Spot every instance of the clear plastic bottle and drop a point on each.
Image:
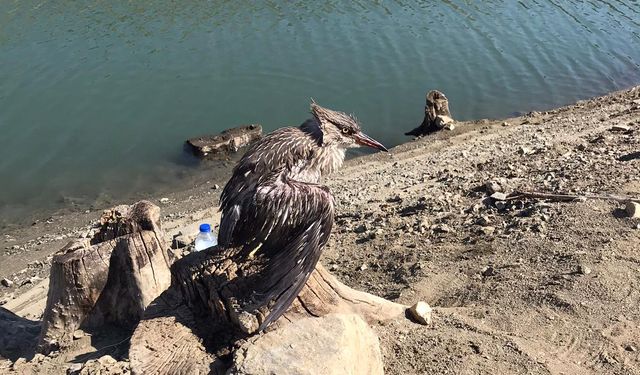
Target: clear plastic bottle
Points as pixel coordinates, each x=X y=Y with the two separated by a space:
x=205 y=238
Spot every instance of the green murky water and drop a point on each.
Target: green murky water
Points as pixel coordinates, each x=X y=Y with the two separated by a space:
x=96 y=97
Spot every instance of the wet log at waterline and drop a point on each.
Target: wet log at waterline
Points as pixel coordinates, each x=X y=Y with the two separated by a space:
x=436 y=114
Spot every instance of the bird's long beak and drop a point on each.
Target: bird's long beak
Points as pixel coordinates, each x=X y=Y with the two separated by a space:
x=365 y=140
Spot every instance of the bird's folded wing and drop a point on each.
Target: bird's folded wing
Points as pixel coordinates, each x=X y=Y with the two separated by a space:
x=285 y=227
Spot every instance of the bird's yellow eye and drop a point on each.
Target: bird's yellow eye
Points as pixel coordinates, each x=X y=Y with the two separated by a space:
x=345 y=130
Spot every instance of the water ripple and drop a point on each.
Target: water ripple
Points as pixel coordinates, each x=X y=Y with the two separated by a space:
x=96 y=97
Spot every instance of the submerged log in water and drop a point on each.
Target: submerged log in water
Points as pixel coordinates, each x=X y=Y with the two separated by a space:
x=228 y=141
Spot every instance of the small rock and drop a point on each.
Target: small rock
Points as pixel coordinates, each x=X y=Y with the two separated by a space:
x=484 y=221
x=488 y=271
x=584 y=270
x=443 y=228
x=620 y=128
x=164 y=200
x=488 y=230
x=499 y=196
x=525 y=151
x=78 y=334
x=215 y=187
x=492 y=187
x=360 y=228
x=630 y=348
x=632 y=209
x=364 y=267
x=7 y=283
x=421 y=312
x=442 y=121
x=501 y=205
x=74 y=368
x=107 y=360
x=182 y=240
x=19 y=363
x=7 y=299
x=505 y=123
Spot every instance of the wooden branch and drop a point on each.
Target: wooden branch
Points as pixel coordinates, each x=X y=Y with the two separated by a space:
x=569 y=197
x=324 y=294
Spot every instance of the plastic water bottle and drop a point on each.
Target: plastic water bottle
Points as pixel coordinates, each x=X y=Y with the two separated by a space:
x=205 y=238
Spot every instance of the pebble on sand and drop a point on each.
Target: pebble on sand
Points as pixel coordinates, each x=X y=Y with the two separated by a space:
x=633 y=209
x=499 y=196
x=620 y=128
x=421 y=312
x=584 y=270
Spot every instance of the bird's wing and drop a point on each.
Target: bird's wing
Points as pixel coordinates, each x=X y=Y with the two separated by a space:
x=283 y=227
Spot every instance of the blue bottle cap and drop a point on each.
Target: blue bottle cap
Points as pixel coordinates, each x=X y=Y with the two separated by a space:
x=205 y=228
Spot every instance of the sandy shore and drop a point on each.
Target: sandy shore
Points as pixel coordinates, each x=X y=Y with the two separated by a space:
x=529 y=286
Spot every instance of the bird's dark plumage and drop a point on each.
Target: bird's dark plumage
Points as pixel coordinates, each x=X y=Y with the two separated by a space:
x=275 y=211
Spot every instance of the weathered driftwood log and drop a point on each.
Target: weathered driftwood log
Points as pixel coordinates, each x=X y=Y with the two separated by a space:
x=193 y=326
x=436 y=114
x=110 y=279
x=228 y=141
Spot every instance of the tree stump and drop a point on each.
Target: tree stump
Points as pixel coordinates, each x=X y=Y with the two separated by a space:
x=436 y=114
x=186 y=313
x=194 y=326
x=109 y=279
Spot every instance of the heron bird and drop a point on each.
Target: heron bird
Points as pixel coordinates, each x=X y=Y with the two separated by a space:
x=275 y=211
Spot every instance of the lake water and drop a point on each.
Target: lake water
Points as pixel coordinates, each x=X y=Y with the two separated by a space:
x=97 y=97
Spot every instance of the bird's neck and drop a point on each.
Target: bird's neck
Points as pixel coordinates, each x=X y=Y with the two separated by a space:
x=325 y=156
x=329 y=158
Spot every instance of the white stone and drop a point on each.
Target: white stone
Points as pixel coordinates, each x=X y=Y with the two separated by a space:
x=499 y=196
x=633 y=209
x=421 y=312
x=620 y=128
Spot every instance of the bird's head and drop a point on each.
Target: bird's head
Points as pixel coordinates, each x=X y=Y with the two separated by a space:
x=342 y=129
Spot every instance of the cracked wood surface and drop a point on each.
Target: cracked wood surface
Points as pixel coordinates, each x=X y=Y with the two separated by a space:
x=109 y=279
x=195 y=325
